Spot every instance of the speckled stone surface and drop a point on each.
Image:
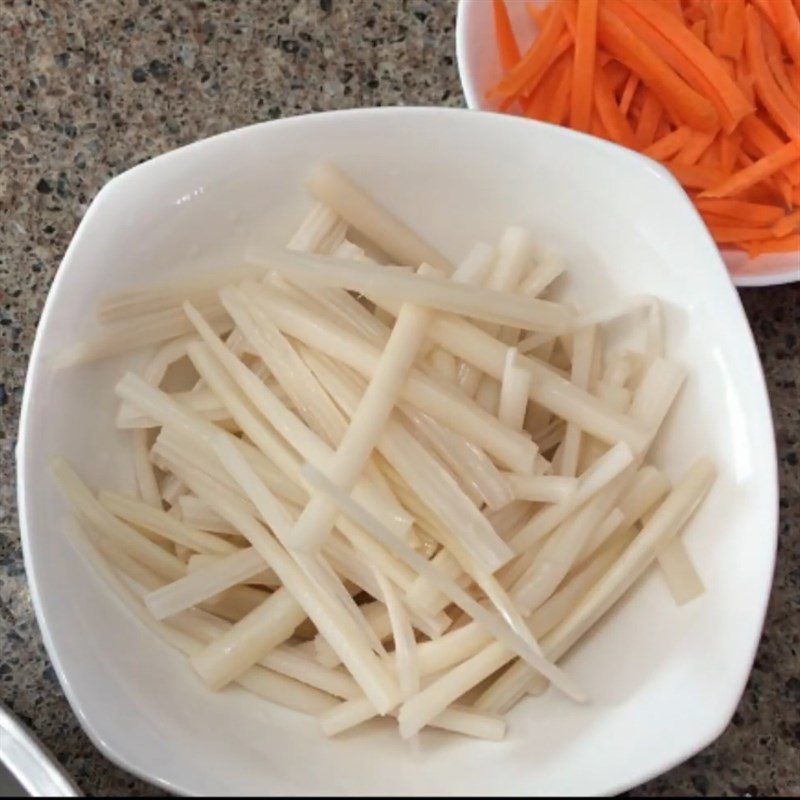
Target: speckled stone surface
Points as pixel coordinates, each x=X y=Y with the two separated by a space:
x=89 y=88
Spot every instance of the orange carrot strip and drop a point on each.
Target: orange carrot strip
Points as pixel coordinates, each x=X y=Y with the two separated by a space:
x=616 y=74
x=745 y=81
x=697 y=144
x=751 y=213
x=689 y=106
x=507 y=47
x=543 y=100
x=732 y=38
x=693 y=176
x=699 y=30
x=787 y=26
x=631 y=85
x=605 y=105
x=689 y=57
x=785 y=245
x=767 y=89
x=757 y=171
x=766 y=9
x=529 y=69
x=774 y=55
x=648 y=121
x=789 y=224
x=673 y=6
x=728 y=234
x=729 y=147
x=537 y=13
x=716 y=26
x=669 y=145
x=558 y=112
x=764 y=141
x=580 y=109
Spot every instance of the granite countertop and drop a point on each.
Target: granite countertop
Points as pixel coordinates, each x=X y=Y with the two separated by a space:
x=92 y=87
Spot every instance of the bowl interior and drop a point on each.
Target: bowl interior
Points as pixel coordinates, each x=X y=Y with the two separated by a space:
x=664 y=680
x=479 y=69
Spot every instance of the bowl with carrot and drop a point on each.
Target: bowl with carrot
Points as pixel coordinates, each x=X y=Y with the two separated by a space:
x=710 y=89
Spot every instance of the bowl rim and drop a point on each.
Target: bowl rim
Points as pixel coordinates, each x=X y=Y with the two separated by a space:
x=36 y=364
x=744 y=279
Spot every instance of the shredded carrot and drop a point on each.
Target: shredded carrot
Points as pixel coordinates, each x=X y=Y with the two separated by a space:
x=537 y=13
x=606 y=107
x=626 y=100
x=698 y=143
x=689 y=57
x=699 y=30
x=709 y=88
x=767 y=89
x=789 y=224
x=527 y=72
x=623 y=44
x=758 y=171
x=732 y=37
x=507 y=47
x=787 y=26
x=785 y=245
x=693 y=176
x=740 y=210
x=669 y=145
x=648 y=121
x=580 y=110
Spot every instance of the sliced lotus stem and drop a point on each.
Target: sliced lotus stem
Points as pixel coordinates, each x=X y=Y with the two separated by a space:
x=366 y=423
x=128 y=538
x=514 y=391
x=540 y=277
x=378 y=282
x=584 y=343
x=246 y=643
x=548 y=388
x=542 y=488
x=491 y=622
x=265 y=683
x=330 y=186
x=654 y=397
x=195 y=513
x=171 y=295
x=471 y=465
x=511 y=448
x=308 y=397
x=501 y=695
x=145 y=476
x=130 y=336
x=200 y=585
x=405 y=645
x=488 y=395
x=680 y=573
x=315 y=229
x=166 y=525
x=614 y=309
x=665 y=524
x=332 y=619
x=431 y=482
x=601 y=473
x=457 y=719
x=303 y=439
x=563 y=548
x=648 y=488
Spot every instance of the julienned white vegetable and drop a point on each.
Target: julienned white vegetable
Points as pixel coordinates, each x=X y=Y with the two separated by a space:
x=379 y=485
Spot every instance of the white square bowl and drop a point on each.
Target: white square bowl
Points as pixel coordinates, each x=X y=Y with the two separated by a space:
x=664 y=680
x=479 y=69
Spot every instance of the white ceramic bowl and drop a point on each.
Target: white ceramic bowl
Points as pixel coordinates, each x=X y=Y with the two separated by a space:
x=479 y=69
x=664 y=680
